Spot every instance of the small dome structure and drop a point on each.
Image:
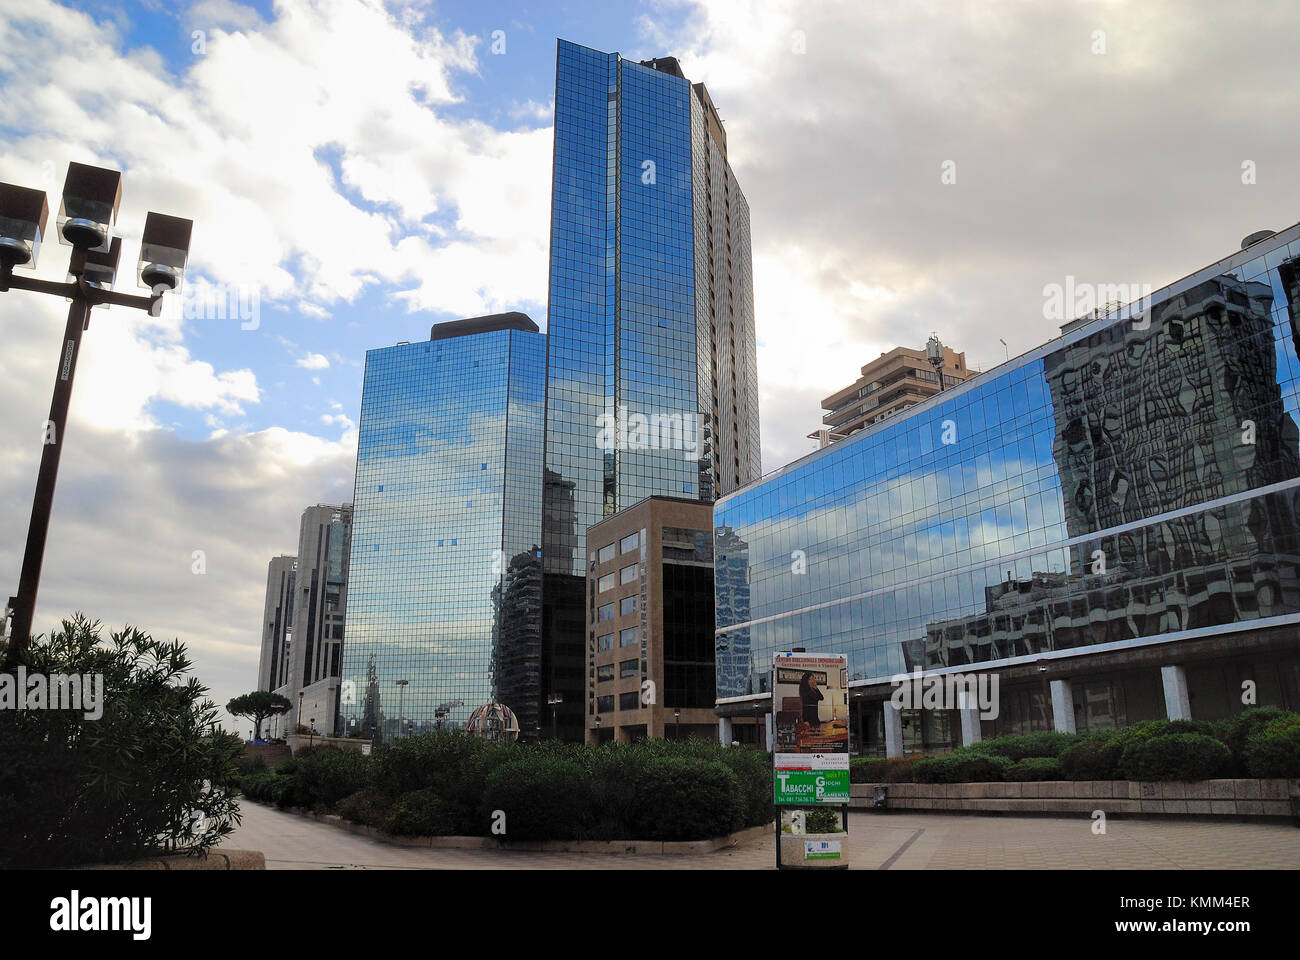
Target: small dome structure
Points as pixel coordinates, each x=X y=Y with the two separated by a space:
x=493 y=721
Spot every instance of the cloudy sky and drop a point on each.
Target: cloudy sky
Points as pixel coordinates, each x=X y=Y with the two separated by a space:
x=359 y=170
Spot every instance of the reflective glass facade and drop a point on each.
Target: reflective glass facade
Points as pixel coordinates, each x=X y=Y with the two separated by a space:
x=444 y=582
x=649 y=275
x=1136 y=480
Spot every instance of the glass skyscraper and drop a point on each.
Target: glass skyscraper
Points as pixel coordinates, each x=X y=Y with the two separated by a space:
x=443 y=598
x=1116 y=509
x=651 y=375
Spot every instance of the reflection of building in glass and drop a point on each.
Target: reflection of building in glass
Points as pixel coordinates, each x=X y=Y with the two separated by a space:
x=1112 y=528
x=448 y=489
x=650 y=320
x=517 y=638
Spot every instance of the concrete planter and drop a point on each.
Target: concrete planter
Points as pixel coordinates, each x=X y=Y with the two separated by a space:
x=815 y=851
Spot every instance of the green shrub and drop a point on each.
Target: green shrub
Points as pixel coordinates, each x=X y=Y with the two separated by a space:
x=1094 y=757
x=325 y=775
x=1274 y=750
x=1097 y=756
x=544 y=797
x=250 y=764
x=420 y=813
x=1044 y=743
x=961 y=766
x=684 y=798
x=753 y=771
x=820 y=820
x=451 y=763
x=265 y=787
x=883 y=769
x=289 y=766
x=1237 y=731
x=1035 y=768
x=367 y=806
x=1174 y=756
x=152 y=772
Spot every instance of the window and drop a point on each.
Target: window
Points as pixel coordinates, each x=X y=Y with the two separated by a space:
x=606 y=553
x=605 y=704
x=606 y=612
x=627 y=668
x=626 y=605
x=630 y=700
x=606 y=583
x=629 y=637
x=605 y=643
x=630 y=542
x=626 y=575
x=605 y=672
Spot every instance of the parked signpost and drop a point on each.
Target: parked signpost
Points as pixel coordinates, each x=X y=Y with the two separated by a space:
x=810 y=764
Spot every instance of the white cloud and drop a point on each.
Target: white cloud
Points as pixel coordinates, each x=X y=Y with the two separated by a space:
x=313 y=361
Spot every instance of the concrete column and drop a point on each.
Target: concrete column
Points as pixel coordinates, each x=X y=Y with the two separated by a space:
x=893 y=730
x=969 y=712
x=1178 y=706
x=724 y=731
x=1062 y=706
x=771 y=733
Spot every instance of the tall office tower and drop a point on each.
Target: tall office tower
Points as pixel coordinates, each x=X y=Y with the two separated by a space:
x=277 y=622
x=652 y=385
x=443 y=611
x=319 y=606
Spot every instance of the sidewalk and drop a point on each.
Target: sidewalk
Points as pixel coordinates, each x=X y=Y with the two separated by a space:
x=894 y=841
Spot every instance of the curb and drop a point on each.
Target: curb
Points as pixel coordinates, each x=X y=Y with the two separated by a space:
x=215 y=860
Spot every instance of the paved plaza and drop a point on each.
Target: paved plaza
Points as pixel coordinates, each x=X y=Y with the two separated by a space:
x=888 y=841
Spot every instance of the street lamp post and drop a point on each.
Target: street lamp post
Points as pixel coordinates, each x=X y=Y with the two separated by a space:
x=401 y=707
x=87 y=212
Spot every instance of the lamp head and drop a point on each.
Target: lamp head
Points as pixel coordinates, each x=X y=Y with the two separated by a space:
x=164 y=251
x=23 y=213
x=91 y=196
x=101 y=268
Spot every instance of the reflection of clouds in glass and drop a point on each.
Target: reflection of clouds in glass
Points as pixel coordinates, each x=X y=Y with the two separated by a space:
x=1132 y=423
x=448 y=480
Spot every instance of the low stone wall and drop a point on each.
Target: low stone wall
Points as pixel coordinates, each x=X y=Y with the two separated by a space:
x=657 y=847
x=1234 y=798
x=215 y=860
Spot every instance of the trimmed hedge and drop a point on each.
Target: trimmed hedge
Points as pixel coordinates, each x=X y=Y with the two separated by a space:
x=419 y=813
x=883 y=769
x=368 y=806
x=325 y=775
x=963 y=765
x=451 y=783
x=1274 y=750
x=686 y=798
x=1034 y=768
x=543 y=798
x=1175 y=756
x=1041 y=744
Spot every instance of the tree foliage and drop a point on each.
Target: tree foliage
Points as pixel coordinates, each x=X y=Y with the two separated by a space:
x=152 y=773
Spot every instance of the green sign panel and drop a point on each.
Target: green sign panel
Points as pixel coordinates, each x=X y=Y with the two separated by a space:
x=811 y=786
